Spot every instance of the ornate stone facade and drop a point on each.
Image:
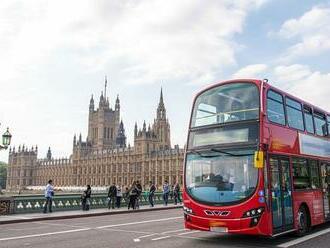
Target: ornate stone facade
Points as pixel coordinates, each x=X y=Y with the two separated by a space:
x=104 y=157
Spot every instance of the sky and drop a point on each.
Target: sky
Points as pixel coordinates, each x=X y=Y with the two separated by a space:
x=55 y=54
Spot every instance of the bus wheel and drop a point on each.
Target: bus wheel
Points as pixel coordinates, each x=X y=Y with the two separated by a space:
x=303 y=221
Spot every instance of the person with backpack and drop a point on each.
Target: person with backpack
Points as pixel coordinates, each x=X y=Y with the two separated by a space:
x=166 y=191
x=152 y=190
x=112 y=194
x=86 y=198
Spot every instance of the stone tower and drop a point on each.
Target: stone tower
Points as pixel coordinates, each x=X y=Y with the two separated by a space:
x=157 y=137
x=161 y=125
x=21 y=167
x=103 y=123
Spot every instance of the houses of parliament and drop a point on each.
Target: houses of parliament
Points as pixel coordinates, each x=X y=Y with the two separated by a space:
x=104 y=157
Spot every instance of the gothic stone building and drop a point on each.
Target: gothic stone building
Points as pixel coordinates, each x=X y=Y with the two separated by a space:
x=104 y=158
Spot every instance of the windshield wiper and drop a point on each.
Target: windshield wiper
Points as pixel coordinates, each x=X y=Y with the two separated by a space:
x=231 y=154
x=204 y=155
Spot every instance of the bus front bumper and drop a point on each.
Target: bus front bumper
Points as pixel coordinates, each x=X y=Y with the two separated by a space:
x=239 y=226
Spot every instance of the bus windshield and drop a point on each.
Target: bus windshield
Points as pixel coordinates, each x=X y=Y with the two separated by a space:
x=220 y=179
x=226 y=103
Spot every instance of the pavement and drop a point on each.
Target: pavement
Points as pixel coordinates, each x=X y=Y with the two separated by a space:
x=161 y=228
x=18 y=218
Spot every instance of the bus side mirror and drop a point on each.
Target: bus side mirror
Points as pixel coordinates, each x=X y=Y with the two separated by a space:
x=259 y=159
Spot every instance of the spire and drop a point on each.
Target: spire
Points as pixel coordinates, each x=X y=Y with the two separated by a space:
x=117 y=107
x=121 y=137
x=91 y=104
x=49 y=154
x=161 y=111
x=74 y=140
x=105 y=87
x=144 y=126
x=161 y=100
x=135 y=130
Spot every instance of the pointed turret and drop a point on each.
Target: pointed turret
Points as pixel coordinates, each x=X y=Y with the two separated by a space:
x=121 y=137
x=135 y=130
x=74 y=140
x=161 y=111
x=117 y=106
x=91 y=104
x=49 y=154
x=144 y=127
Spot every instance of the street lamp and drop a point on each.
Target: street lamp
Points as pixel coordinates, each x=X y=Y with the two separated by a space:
x=6 y=138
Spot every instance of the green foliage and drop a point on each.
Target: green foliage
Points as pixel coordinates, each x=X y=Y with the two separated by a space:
x=3 y=174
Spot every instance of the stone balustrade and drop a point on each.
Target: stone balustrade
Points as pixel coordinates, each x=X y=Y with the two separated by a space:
x=65 y=202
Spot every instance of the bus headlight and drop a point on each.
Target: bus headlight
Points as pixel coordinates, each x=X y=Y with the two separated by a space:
x=187 y=210
x=254 y=212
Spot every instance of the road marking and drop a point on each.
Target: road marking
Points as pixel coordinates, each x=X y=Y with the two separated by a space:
x=136 y=240
x=165 y=237
x=185 y=233
x=44 y=234
x=139 y=222
x=178 y=230
x=303 y=239
x=146 y=236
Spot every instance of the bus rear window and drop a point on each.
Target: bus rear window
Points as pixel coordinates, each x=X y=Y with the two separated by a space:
x=226 y=103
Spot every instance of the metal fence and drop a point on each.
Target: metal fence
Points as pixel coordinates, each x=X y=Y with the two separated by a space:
x=35 y=203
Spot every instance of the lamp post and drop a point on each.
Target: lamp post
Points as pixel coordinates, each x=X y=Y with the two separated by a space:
x=6 y=138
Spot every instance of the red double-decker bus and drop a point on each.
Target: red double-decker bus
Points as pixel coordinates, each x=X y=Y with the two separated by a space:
x=257 y=161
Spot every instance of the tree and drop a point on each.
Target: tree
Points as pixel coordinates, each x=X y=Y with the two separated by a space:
x=3 y=175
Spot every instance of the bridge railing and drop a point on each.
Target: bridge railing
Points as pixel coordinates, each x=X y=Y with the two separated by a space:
x=35 y=203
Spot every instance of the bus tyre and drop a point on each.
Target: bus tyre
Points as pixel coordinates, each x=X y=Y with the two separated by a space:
x=303 y=221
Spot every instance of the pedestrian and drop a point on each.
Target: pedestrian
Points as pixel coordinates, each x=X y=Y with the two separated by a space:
x=172 y=191
x=86 y=198
x=176 y=192
x=119 y=196
x=132 y=195
x=112 y=194
x=49 y=194
x=138 y=195
x=166 y=191
x=126 y=195
x=152 y=190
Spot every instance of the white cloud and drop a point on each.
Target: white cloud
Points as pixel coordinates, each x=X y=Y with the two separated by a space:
x=297 y=79
x=301 y=81
x=251 y=71
x=311 y=30
x=151 y=39
x=137 y=42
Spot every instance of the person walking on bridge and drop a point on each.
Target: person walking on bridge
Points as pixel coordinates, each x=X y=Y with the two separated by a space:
x=133 y=191
x=166 y=191
x=49 y=194
x=86 y=198
x=112 y=195
x=152 y=190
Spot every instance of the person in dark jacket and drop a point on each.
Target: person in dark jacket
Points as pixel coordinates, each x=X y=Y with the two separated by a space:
x=112 y=195
x=176 y=193
x=86 y=198
x=133 y=191
x=139 y=192
x=152 y=190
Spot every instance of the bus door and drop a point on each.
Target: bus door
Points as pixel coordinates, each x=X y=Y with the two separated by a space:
x=325 y=174
x=281 y=194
